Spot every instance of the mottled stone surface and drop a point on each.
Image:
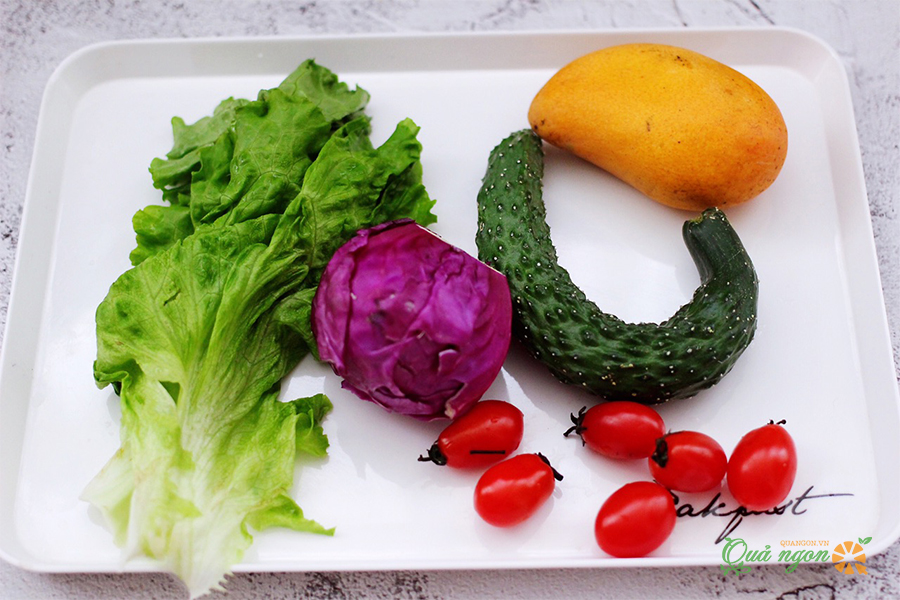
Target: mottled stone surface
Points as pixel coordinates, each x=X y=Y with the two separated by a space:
x=36 y=35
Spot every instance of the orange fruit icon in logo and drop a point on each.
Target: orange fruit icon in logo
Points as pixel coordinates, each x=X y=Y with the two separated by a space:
x=848 y=558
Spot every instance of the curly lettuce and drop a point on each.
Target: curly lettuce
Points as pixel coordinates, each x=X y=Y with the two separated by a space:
x=196 y=337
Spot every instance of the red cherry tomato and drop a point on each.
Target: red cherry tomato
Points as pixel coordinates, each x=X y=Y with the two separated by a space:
x=511 y=491
x=635 y=520
x=688 y=461
x=762 y=467
x=489 y=432
x=619 y=429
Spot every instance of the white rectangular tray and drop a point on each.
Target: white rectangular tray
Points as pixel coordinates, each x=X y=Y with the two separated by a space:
x=821 y=358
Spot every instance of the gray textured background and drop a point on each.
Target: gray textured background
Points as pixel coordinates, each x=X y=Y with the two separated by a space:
x=36 y=35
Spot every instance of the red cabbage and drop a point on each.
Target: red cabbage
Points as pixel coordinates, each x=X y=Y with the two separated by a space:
x=411 y=322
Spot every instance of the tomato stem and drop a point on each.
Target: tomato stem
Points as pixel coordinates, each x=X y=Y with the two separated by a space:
x=556 y=474
x=661 y=454
x=434 y=455
x=578 y=426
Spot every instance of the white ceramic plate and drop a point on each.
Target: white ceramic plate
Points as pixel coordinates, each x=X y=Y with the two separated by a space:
x=821 y=358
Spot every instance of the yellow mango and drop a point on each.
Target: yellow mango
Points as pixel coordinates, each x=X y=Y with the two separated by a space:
x=684 y=129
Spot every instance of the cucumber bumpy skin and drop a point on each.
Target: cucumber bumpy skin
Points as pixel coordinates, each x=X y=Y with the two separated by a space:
x=580 y=344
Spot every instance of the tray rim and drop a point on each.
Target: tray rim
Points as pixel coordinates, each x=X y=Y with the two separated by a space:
x=96 y=50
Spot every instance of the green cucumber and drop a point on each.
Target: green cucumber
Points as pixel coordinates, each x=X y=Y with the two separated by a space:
x=578 y=342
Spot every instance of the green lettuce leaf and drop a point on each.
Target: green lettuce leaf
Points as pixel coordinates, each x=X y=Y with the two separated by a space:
x=197 y=337
x=175 y=170
x=245 y=160
x=159 y=227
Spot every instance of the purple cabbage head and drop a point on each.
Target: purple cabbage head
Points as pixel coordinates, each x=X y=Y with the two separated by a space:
x=412 y=323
